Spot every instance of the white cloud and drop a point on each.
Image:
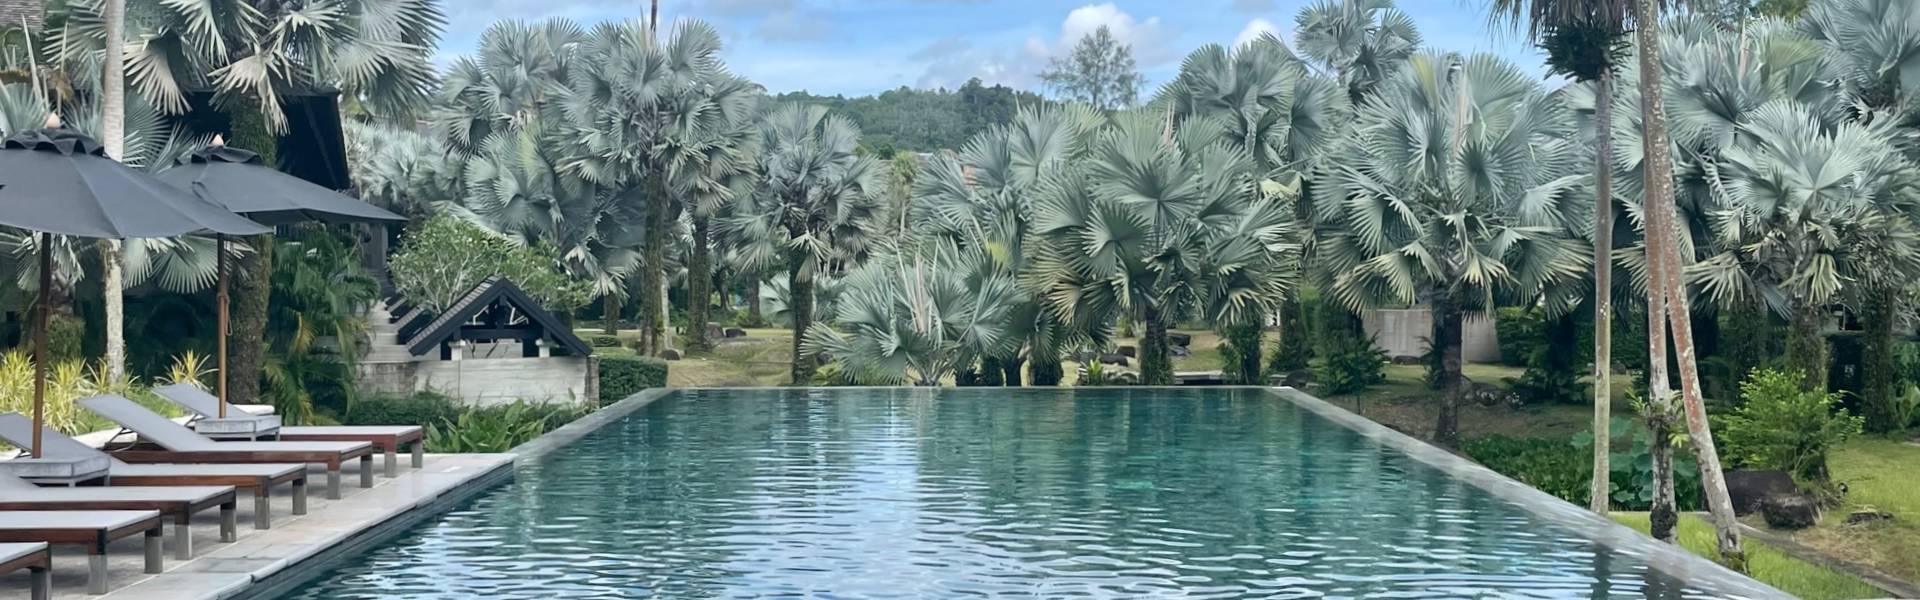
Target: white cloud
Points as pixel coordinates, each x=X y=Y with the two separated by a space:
x=1148 y=37
x=1255 y=29
x=951 y=61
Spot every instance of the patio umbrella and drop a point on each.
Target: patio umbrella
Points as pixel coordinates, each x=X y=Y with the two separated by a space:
x=60 y=182
x=239 y=181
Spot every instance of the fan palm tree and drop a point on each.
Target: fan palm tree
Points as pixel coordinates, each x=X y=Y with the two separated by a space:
x=812 y=202
x=1666 y=293
x=1454 y=190
x=1273 y=110
x=401 y=170
x=1361 y=41
x=918 y=317
x=1585 y=40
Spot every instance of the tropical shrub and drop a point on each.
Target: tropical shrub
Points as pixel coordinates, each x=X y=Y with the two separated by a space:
x=1349 y=364
x=1782 y=425
x=1520 y=332
x=498 y=428
x=66 y=338
x=443 y=258
x=622 y=376
x=1556 y=467
x=419 y=409
x=604 y=341
x=1631 y=468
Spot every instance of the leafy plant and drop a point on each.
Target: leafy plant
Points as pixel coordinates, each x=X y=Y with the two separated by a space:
x=604 y=341
x=1631 y=468
x=498 y=428
x=1349 y=364
x=1906 y=407
x=1782 y=425
x=190 y=368
x=443 y=259
x=1553 y=466
x=419 y=409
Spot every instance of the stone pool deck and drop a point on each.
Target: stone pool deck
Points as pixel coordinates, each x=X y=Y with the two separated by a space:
x=295 y=545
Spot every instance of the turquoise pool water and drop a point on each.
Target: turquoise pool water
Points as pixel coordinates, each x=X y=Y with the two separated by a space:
x=986 y=493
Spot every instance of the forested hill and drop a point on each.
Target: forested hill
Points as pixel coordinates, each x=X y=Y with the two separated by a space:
x=925 y=120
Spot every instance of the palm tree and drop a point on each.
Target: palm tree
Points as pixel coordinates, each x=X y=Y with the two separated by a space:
x=113 y=101
x=1585 y=40
x=813 y=200
x=1455 y=189
x=1361 y=41
x=1273 y=110
x=1666 y=292
x=920 y=315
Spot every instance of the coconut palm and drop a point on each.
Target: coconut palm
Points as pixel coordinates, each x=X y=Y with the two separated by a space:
x=1362 y=41
x=1585 y=40
x=809 y=209
x=1273 y=110
x=1455 y=190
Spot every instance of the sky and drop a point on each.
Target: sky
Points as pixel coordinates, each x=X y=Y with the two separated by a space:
x=857 y=47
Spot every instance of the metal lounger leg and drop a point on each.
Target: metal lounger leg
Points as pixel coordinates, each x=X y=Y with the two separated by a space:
x=41 y=583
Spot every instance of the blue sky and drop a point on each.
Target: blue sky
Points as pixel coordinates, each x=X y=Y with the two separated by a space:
x=865 y=46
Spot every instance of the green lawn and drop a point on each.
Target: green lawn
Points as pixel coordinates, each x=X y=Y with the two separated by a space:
x=1881 y=475
x=1766 y=564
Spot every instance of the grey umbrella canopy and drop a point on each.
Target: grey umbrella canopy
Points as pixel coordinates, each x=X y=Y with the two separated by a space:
x=238 y=180
x=60 y=182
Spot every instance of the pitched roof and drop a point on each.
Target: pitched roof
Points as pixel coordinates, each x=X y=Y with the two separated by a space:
x=494 y=289
x=12 y=12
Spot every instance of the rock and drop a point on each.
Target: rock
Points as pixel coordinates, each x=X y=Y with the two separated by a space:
x=714 y=331
x=1749 y=487
x=735 y=332
x=1298 y=378
x=1179 y=340
x=1407 y=359
x=1790 y=511
x=1868 y=516
x=1180 y=351
x=1128 y=351
x=670 y=354
x=1486 y=394
x=1114 y=359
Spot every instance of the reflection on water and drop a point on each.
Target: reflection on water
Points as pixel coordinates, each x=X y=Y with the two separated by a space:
x=986 y=493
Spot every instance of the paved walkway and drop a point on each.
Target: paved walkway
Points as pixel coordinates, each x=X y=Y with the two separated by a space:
x=221 y=570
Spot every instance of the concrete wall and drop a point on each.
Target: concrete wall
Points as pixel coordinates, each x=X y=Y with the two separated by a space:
x=489 y=381
x=1404 y=332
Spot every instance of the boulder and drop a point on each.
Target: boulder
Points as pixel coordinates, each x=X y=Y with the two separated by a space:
x=670 y=354
x=714 y=331
x=1114 y=359
x=1179 y=340
x=1790 y=511
x=1127 y=351
x=735 y=332
x=1749 y=487
x=1868 y=516
x=1486 y=394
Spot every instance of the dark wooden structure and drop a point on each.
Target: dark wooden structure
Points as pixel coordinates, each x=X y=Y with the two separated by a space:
x=494 y=310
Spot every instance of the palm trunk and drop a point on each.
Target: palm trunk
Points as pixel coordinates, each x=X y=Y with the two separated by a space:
x=1448 y=332
x=1602 y=293
x=1664 y=515
x=1010 y=371
x=753 y=300
x=1659 y=199
x=1877 y=360
x=653 y=266
x=247 y=348
x=1156 y=360
x=113 y=101
x=1245 y=338
x=610 y=313
x=699 y=288
x=800 y=305
x=1807 y=345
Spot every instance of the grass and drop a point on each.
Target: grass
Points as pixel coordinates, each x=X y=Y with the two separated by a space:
x=1881 y=475
x=1765 y=563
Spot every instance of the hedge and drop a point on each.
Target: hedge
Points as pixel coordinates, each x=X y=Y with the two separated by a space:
x=419 y=408
x=622 y=376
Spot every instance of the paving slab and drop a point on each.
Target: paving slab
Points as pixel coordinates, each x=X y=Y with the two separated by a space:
x=224 y=570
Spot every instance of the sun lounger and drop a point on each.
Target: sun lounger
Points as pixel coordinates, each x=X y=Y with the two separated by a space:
x=181 y=445
x=91 y=529
x=386 y=439
x=181 y=503
x=36 y=559
x=258 y=479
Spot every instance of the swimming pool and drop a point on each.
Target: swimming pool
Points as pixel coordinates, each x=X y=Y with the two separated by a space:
x=902 y=493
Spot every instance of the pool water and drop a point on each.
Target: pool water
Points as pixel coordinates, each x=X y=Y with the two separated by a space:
x=894 y=493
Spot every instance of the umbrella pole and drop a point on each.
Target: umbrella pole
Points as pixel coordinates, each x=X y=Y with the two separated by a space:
x=40 y=341
x=220 y=256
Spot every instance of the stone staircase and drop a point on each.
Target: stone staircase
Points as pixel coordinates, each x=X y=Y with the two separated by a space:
x=384 y=338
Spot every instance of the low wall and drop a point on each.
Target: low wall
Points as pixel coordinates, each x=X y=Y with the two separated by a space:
x=1403 y=333
x=488 y=381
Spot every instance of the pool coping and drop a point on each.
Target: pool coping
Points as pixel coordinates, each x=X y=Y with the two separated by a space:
x=1674 y=561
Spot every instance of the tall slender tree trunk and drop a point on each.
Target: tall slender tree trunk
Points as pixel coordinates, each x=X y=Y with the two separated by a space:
x=253 y=284
x=1807 y=347
x=1156 y=360
x=699 y=287
x=752 y=298
x=1602 y=293
x=1664 y=516
x=1010 y=372
x=1877 y=359
x=610 y=313
x=800 y=306
x=1660 y=211
x=113 y=101
x=1449 y=333
x=1245 y=338
x=653 y=267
